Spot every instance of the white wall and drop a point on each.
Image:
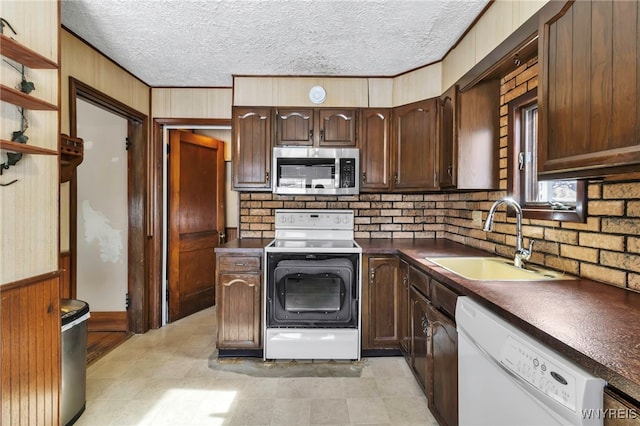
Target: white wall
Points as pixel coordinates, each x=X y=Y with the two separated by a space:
x=102 y=209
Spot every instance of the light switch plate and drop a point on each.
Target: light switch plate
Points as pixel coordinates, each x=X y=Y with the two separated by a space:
x=476 y=216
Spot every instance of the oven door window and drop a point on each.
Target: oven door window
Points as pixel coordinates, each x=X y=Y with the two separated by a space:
x=311 y=293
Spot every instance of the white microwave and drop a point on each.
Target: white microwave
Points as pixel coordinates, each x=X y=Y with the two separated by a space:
x=316 y=171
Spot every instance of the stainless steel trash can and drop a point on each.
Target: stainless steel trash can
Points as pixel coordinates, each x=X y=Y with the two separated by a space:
x=75 y=314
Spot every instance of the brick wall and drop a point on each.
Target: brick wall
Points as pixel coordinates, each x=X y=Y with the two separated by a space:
x=605 y=248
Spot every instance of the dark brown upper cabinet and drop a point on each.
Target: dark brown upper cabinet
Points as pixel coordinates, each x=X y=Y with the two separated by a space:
x=415 y=146
x=448 y=139
x=325 y=127
x=589 y=97
x=252 y=138
x=374 y=141
x=478 y=137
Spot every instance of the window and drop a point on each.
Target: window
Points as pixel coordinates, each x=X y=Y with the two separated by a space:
x=548 y=199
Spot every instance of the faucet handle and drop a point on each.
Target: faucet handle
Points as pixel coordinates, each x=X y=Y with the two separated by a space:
x=531 y=241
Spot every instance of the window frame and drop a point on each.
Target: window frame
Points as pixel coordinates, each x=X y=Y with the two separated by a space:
x=514 y=179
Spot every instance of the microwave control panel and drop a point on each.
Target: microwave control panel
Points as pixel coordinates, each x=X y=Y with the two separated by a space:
x=347 y=172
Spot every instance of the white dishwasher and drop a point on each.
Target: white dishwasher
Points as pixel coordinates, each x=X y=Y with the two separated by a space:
x=505 y=377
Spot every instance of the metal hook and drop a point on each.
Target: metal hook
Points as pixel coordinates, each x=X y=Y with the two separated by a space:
x=4 y=22
x=10 y=183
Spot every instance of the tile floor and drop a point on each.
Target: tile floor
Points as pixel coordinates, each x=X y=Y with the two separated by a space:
x=162 y=378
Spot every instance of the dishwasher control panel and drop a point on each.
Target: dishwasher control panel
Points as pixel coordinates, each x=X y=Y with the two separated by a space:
x=530 y=365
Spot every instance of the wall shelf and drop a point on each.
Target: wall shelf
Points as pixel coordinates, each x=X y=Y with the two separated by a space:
x=16 y=97
x=24 y=148
x=13 y=50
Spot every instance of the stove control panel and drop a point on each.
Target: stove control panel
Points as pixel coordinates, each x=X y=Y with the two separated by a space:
x=314 y=219
x=539 y=371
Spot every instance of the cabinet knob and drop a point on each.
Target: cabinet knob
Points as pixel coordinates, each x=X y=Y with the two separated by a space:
x=450 y=170
x=395 y=177
x=311 y=135
x=364 y=177
x=267 y=176
x=321 y=134
x=372 y=275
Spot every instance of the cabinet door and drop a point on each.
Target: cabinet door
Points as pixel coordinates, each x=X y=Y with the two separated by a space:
x=415 y=150
x=383 y=303
x=295 y=127
x=443 y=357
x=337 y=127
x=374 y=141
x=448 y=139
x=420 y=339
x=239 y=312
x=478 y=149
x=403 y=307
x=589 y=102
x=252 y=137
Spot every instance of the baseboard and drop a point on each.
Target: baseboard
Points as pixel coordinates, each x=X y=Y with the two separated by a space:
x=235 y=353
x=371 y=353
x=108 y=321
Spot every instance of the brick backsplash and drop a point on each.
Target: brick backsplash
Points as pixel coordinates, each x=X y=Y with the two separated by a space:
x=605 y=248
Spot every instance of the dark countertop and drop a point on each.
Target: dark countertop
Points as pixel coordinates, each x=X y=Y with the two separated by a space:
x=244 y=245
x=596 y=325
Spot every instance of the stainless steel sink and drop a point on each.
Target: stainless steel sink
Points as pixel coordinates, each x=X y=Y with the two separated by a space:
x=495 y=269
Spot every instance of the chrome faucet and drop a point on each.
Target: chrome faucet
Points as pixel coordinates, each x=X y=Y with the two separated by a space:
x=521 y=254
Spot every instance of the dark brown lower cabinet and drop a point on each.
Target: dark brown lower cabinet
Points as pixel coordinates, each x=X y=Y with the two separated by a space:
x=434 y=344
x=239 y=292
x=381 y=294
x=420 y=340
x=619 y=410
x=443 y=356
x=403 y=307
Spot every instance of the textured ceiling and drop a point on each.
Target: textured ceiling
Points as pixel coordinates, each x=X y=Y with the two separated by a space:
x=205 y=42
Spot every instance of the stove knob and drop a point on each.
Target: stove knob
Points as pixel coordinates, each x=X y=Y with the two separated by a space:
x=336 y=219
x=346 y=220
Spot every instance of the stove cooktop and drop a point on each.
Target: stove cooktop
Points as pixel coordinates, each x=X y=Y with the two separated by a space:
x=313 y=244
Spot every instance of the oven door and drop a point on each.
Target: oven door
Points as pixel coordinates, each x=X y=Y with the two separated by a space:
x=312 y=291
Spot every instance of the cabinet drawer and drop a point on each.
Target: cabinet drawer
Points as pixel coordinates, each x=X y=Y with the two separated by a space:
x=240 y=263
x=419 y=280
x=443 y=298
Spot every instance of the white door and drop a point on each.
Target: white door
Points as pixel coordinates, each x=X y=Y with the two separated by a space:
x=102 y=212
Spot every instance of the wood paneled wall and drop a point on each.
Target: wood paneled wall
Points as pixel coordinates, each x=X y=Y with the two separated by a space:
x=79 y=60
x=191 y=103
x=294 y=91
x=497 y=23
x=29 y=207
x=31 y=353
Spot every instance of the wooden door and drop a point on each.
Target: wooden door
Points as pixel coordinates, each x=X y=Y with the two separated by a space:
x=295 y=127
x=374 y=141
x=196 y=220
x=384 y=296
x=252 y=141
x=337 y=127
x=415 y=146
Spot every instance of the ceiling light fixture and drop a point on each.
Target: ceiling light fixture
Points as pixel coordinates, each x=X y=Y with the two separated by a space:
x=317 y=94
